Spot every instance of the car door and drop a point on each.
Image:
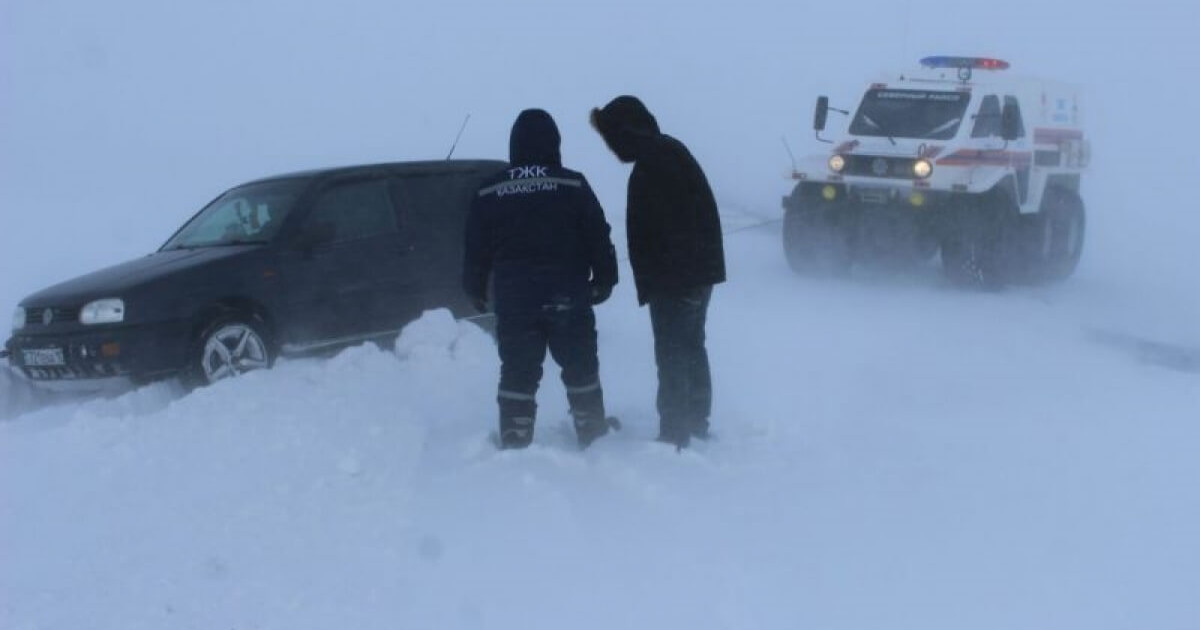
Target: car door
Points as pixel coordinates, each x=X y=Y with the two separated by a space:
x=433 y=208
x=348 y=265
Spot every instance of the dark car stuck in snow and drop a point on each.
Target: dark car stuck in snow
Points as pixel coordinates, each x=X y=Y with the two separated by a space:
x=278 y=266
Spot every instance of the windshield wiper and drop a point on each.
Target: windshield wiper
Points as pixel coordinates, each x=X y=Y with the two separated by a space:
x=942 y=127
x=876 y=125
x=241 y=241
x=229 y=243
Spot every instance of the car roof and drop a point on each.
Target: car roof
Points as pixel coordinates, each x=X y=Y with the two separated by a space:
x=422 y=167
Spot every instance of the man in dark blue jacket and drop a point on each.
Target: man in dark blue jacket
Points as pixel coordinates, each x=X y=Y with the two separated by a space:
x=677 y=254
x=539 y=232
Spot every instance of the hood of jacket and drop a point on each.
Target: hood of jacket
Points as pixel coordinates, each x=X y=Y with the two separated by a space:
x=534 y=139
x=626 y=126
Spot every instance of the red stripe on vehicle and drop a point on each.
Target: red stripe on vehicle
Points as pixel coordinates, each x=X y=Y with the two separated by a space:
x=930 y=152
x=846 y=147
x=977 y=157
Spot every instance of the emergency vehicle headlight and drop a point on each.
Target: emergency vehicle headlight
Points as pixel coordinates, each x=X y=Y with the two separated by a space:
x=837 y=163
x=922 y=168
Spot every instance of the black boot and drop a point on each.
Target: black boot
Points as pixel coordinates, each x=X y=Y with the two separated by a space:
x=516 y=422
x=516 y=433
x=587 y=411
x=674 y=433
x=590 y=430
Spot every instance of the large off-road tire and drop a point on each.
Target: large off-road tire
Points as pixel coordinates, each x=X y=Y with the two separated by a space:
x=230 y=345
x=977 y=250
x=1058 y=235
x=816 y=240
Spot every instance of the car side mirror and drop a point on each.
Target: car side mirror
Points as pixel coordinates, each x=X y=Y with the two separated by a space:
x=320 y=233
x=821 y=114
x=1010 y=123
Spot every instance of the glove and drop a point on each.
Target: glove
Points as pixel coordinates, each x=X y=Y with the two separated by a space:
x=600 y=293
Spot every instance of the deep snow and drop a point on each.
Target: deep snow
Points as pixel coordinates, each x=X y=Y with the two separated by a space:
x=889 y=454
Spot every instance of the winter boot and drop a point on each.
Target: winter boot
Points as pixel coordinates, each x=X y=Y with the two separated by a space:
x=516 y=433
x=516 y=422
x=676 y=433
x=587 y=411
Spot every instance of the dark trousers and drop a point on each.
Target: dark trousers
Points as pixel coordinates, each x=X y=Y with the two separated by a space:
x=523 y=337
x=684 y=379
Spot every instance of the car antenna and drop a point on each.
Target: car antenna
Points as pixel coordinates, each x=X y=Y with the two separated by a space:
x=456 y=138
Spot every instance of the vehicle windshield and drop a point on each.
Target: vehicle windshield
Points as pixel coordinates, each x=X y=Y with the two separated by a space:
x=247 y=214
x=919 y=114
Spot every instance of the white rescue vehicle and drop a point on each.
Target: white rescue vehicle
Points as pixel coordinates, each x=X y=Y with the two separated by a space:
x=958 y=158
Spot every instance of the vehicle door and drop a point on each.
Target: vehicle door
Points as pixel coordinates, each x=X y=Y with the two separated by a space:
x=1022 y=157
x=347 y=265
x=433 y=208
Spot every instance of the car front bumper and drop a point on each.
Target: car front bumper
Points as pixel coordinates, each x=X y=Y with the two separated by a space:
x=138 y=352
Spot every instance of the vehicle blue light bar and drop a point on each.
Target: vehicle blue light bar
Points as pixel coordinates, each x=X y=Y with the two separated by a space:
x=980 y=63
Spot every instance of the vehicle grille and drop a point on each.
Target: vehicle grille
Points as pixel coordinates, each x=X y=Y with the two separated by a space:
x=877 y=166
x=37 y=316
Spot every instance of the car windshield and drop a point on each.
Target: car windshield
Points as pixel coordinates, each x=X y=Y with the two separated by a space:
x=247 y=214
x=916 y=114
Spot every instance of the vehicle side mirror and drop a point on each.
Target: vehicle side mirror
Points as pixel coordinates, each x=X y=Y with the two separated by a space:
x=1010 y=123
x=319 y=233
x=821 y=114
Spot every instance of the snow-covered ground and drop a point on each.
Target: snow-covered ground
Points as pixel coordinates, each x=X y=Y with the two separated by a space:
x=889 y=454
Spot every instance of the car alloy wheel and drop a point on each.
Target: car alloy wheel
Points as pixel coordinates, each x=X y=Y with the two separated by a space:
x=231 y=350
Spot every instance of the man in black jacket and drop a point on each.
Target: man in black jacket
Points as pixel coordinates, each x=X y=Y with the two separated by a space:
x=677 y=254
x=539 y=231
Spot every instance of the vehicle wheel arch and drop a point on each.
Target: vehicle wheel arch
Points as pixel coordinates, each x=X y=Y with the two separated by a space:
x=214 y=320
x=230 y=306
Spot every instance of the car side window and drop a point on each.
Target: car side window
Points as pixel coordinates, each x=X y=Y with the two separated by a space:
x=1012 y=102
x=987 y=121
x=355 y=210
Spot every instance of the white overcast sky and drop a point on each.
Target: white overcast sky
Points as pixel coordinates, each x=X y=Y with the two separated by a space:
x=119 y=119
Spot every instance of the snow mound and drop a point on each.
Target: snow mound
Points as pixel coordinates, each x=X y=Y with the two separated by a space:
x=437 y=336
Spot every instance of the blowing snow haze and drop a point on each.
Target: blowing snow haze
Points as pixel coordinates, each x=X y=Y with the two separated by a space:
x=891 y=453
x=120 y=120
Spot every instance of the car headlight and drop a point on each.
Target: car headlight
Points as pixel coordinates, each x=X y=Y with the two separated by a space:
x=837 y=163
x=922 y=168
x=18 y=318
x=108 y=311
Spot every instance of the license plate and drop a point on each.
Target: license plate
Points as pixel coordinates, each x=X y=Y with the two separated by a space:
x=43 y=357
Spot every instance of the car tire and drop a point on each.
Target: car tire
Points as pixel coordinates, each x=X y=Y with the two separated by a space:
x=1059 y=229
x=230 y=345
x=977 y=252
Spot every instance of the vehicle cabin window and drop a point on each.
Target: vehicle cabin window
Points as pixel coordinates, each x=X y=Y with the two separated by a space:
x=239 y=218
x=356 y=210
x=987 y=121
x=1011 y=101
x=248 y=214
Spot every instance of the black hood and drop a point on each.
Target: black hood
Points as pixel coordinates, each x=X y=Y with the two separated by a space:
x=626 y=125
x=119 y=280
x=534 y=139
